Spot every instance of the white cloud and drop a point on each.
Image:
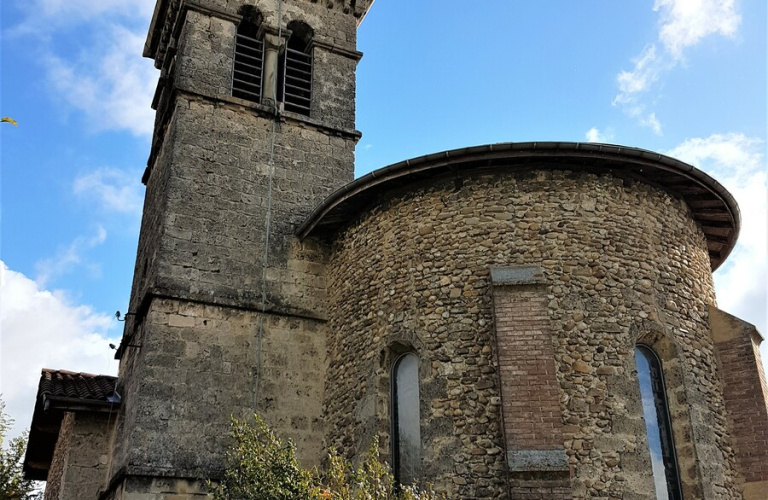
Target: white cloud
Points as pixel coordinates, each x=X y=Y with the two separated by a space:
x=645 y=73
x=102 y=74
x=109 y=83
x=682 y=24
x=70 y=257
x=46 y=16
x=632 y=84
x=111 y=189
x=651 y=122
x=738 y=162
x=595 y=135
x=43 y=329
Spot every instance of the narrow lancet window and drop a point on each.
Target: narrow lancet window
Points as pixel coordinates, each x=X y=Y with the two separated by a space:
x=249 y=58
x=406 y=431
x=295 y=88
x=657 y=424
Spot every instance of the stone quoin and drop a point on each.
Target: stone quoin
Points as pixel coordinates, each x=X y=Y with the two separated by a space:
x=513 y=321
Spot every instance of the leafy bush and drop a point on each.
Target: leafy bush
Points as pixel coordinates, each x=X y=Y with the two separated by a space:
x=259 y=466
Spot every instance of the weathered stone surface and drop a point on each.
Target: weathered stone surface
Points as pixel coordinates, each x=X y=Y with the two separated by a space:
x=614 y=254
x=227 y=184
x=81 y=459
x=230 y=313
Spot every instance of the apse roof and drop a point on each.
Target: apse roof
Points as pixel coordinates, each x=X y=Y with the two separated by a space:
x=712 y=206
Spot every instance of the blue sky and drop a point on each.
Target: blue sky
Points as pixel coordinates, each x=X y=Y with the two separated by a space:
x=683 y=77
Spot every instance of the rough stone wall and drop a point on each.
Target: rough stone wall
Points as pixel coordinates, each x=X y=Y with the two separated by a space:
x=87 y=465
x=200 y=363
x=195 y=350
x=60 y=456
x=81 y=458
x=620 y=260
x=152 y=227
x=204 y=219
x=147 y=488
x=212 y=241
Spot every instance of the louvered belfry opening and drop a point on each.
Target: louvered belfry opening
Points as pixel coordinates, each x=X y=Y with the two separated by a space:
x=249 y=57
x=295 y=87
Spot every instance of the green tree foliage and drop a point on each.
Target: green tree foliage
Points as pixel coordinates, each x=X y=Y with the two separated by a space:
x=13 y=486
x=372 y=480
x=259 y=466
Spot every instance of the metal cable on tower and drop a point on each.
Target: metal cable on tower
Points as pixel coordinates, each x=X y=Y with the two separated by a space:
x=268 y=222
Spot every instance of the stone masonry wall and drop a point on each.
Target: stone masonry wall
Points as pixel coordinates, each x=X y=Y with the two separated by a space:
x=196 y=349
x=622 y=261
x=88 y=456
x=212 y=243
x=204 y=221
x=199 y=364
x=60 y=456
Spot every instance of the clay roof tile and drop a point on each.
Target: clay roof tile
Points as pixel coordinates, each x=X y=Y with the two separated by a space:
x=62 y=383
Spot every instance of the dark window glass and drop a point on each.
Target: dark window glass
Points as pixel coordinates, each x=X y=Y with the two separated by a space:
x=406 y=432
x=657 y=424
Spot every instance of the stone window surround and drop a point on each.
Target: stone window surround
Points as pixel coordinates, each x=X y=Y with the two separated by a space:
x=656 y=337
x=261 y=108
x=397 y=347
x=393 y=403
x=664 y=419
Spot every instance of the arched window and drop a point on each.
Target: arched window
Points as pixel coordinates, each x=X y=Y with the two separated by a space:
x=295 y=85
x=249 y=56
x=657 y=424
x=406 y=431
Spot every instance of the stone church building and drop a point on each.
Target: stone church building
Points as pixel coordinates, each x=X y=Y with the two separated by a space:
x=514 y=321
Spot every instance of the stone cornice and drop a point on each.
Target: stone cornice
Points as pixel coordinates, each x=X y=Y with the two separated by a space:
x=334 y=49
x=358 y=8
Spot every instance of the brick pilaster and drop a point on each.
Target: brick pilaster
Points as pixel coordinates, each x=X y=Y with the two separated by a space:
x=529 y=389
x=737 y=346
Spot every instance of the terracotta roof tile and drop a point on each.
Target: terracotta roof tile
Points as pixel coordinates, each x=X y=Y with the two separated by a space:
x=62 y=383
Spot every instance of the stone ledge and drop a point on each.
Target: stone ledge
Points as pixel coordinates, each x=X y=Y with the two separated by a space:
x=517 y=275
x=537 y=460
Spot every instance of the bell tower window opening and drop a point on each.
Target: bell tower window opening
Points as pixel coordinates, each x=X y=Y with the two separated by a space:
x=295 y=83
x=658 y=425
x=248 y=68
x=406 y=420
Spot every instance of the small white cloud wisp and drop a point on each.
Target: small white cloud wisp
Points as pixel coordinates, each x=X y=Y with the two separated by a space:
x=682 y=24
x=108 y=83
x=595 y=135
x=111 y=189
x=39 y=329
x=102 y=73
x=46 y=16
x=70 y=257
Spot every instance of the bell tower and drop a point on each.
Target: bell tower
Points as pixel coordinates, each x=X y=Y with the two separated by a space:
x=254 y=128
